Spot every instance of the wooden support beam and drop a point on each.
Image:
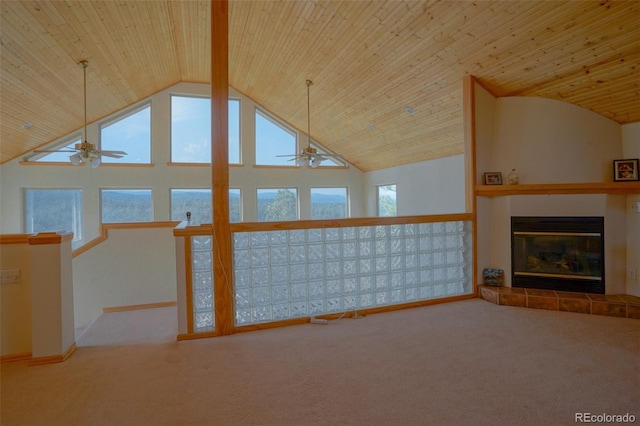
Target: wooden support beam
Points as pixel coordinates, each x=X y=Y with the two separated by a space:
x=222 y=266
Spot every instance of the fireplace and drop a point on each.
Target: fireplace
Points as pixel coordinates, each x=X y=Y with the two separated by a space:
x=558 y=253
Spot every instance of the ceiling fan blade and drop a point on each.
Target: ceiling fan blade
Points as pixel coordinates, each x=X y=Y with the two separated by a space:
x=286 y=155
x=114 y=152
x=110 y=154
x=54 y=150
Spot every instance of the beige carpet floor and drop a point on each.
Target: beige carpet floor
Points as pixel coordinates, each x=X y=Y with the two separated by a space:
x=461 y=363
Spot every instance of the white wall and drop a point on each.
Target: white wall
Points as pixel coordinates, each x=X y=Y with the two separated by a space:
x=549 y=141
x=15 y=301
x=132 y=267
x=428 y=187
x=631 y=149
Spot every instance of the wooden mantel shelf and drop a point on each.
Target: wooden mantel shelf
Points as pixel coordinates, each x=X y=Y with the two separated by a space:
x=558 y=188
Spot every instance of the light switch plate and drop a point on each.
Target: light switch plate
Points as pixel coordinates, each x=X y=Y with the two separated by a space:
x=10 y=276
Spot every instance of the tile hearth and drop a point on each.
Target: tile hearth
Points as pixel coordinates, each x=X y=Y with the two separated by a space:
x=615 y=305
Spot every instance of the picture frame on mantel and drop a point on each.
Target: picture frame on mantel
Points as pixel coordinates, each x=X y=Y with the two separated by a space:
x=492 y=178
x=625 y=170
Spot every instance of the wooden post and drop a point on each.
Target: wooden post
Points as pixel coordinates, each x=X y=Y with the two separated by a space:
x=468 y=94
x=222 y=263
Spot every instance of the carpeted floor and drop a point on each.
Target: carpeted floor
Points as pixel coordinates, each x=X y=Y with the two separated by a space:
x=461 y=363
x=144 y=326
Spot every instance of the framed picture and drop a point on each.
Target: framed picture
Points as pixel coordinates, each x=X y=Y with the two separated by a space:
x=625 y=170
x=493 y=276
x=493 y=178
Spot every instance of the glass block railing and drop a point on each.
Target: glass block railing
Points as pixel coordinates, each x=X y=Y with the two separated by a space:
x=293 y=273
x=202 y=283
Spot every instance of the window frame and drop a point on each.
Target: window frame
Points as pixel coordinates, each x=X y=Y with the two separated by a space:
x=378 y=187
x=347 y=201
x=282 y=125
x=77 y=236
x=340 y=163
x=122 y=115
x=101 y=201
x=197 y=96
x=276 y=189
x=66 y=142
x=241 y=219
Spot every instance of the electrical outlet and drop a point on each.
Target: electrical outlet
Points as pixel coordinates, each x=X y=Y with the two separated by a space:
x=632 y=274
x=10 y=276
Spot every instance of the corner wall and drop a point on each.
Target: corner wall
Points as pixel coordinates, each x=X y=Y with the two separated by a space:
x=547 y=141
x=631 y=149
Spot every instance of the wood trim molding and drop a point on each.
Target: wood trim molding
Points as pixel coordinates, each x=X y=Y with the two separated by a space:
x=207 y=165
x=49 y=238
x=104 y=232
x=41 y=163
x=341 y=223
x=191 y=231
x=183 y=230
x=471 y=201
x=194 y=336
x=189 y=284
x=558 y=188
x=15 y=357
x=53 y=359
x=14 y=239
x=136 y=165
x=138 y=307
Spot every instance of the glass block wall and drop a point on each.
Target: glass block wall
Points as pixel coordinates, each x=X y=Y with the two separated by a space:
x=202 y=283
x=298 y=273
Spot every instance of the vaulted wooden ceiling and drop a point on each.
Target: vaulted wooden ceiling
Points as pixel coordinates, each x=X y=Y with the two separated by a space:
x=369 y=61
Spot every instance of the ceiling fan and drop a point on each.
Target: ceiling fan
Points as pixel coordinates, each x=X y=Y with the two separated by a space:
x=310 y=156
x=86 y=152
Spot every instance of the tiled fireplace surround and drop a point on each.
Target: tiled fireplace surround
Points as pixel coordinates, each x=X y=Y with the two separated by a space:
x=623 y=305
x=616 y=305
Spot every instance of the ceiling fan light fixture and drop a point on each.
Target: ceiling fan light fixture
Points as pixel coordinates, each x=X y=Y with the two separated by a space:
x=86 y=151
x=315 y=162
x=75 y=159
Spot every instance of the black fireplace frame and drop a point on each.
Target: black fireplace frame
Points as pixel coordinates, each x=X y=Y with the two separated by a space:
x=590 y=224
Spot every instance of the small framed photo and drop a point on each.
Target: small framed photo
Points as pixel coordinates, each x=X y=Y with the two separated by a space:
x=493 y=178
x=625 y=170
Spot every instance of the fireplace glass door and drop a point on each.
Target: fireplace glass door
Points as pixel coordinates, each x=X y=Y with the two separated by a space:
x=558 y=253
x=561 y=255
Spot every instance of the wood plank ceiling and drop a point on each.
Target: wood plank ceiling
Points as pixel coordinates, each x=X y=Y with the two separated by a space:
x=369 y=61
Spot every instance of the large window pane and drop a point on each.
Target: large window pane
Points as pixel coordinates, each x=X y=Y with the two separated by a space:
x=54 y=210
x=234 y=131
x=126 y=205
x=59 y=157
x=273 y=139
x=131 y=134
x=277 y=204
x=191 y=130
x=235 y=205
x=387 y=200
x=195 y=201
x=198 y=202
x=328 y=203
